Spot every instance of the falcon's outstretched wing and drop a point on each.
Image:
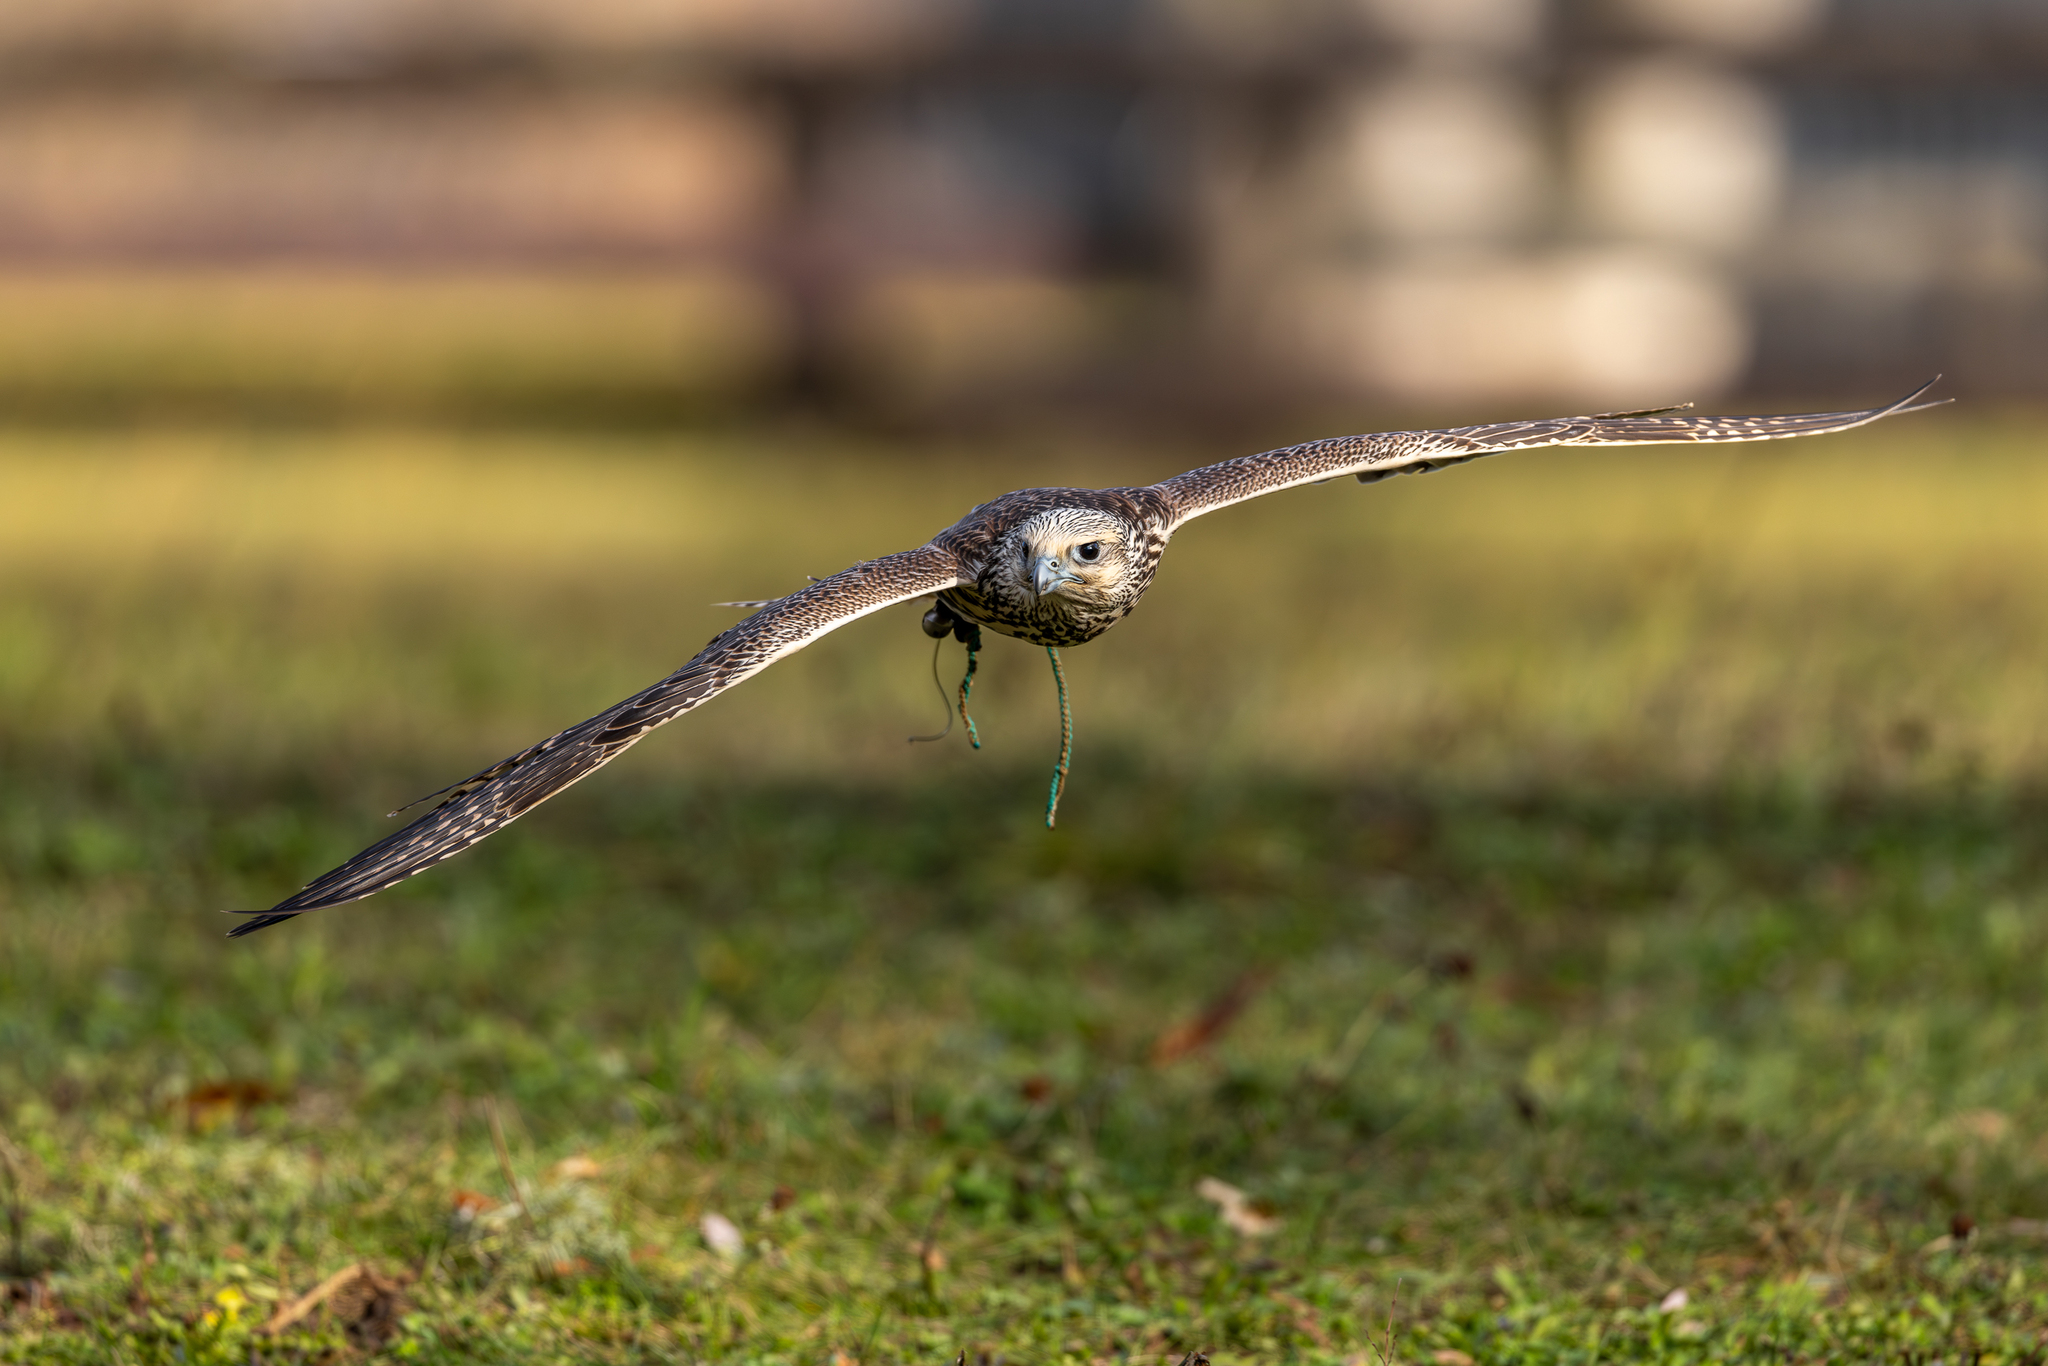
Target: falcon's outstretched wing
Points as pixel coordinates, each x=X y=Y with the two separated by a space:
x=1381 y=454
x=502 y=793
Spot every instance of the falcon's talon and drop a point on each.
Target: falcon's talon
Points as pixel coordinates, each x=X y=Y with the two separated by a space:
x=1055 y=567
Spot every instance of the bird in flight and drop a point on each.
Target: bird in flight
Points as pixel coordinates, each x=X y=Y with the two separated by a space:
x=1055 y=567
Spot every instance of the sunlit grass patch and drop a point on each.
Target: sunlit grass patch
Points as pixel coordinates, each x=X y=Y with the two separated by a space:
x=1867 y=606
x=498 y=345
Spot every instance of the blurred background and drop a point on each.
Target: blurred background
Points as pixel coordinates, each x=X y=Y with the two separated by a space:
x=925 y=207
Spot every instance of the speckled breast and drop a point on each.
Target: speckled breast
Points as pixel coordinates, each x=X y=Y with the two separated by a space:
x=1040 y=621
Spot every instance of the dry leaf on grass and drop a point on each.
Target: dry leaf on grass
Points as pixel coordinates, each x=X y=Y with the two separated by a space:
x=722 y=1236
x=32 y=1295
x=1981 y=1126
x=1673 y=1302
x=211 y=1104
x=366 y=1304
x=1236 y=1208
x=468 y=1204
x=1191 y=1036
x=577 y=1168
x=1450 y=1356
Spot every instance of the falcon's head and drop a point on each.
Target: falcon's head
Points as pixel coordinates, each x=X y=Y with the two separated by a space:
x=1084 y=556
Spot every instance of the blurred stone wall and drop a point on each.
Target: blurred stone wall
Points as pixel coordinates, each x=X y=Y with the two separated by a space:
x=1605 y=201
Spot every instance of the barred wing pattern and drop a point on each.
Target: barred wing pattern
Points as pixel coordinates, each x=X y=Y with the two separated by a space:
x=507 y=790
x=1383 y=454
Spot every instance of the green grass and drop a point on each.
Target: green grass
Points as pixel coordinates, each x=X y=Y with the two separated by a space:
x=1630 y=866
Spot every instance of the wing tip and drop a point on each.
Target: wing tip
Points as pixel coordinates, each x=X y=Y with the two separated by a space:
x=1788 y=424
x=258 y=920
x=1908 y=404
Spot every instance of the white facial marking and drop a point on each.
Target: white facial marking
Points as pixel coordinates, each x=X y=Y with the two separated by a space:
x=1073 y=553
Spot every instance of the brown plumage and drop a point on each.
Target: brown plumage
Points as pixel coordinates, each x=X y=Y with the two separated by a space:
x=1055 y=567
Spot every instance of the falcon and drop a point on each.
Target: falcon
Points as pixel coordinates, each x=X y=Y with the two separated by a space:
x=1056 y=567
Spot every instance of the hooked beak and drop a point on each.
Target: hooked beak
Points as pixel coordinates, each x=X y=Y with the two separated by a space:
x=1047 y=575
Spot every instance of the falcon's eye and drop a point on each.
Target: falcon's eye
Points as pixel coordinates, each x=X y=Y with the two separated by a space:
x=1088 y=551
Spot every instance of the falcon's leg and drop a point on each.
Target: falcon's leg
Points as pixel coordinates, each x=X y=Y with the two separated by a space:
x=1059 y=774
x=939 y=622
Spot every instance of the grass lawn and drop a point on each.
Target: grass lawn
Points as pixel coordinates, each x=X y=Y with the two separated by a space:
x=1586 y=906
